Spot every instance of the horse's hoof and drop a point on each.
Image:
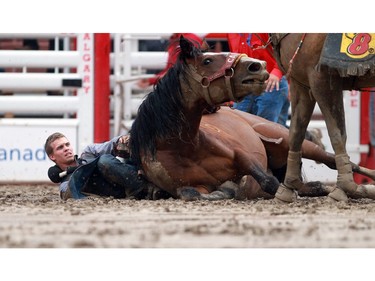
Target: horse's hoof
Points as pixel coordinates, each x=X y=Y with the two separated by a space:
x=338 y=195
x=158 y=194
x=285 y=195
x=216 y=195
x=188 y=194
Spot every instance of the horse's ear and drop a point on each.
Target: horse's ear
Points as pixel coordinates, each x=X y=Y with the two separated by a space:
x=186 y=47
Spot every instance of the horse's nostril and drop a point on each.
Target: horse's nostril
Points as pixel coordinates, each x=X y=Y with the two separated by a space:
x=254 y=67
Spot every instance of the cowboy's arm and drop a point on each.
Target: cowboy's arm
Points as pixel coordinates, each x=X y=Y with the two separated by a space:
x=94 y=150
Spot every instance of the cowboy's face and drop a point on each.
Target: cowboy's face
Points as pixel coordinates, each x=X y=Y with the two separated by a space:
x=62 y=152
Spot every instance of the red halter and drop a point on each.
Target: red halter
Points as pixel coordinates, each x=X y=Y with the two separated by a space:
x=227 y=70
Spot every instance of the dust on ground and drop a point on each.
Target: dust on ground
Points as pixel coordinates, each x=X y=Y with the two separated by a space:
x=33 y=216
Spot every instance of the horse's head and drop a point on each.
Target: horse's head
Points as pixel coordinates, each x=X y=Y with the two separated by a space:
x=222 y=77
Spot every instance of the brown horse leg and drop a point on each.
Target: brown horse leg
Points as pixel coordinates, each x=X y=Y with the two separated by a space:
x=313 y=152
x=268 y=183
x=363 y=171
x=258 y=170
x=330 y=99
x=249 y=189
x=302 y=109
x=317 y=188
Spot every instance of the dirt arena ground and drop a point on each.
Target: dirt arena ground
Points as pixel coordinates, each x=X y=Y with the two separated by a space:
x=33 y=216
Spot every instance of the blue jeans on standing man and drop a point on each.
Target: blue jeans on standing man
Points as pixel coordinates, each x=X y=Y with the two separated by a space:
x=273 y=106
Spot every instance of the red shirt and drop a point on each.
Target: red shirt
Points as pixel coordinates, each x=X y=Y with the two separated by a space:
x=249 y=43
x=174 y=44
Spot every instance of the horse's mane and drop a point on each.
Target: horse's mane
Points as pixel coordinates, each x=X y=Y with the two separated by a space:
x=160 y=115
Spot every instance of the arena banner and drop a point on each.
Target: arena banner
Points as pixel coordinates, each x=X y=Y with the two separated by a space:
x=22 y=155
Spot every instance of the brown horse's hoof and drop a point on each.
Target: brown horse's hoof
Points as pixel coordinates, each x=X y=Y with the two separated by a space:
x=188 y=194
x=338 y=195
x=285 y=195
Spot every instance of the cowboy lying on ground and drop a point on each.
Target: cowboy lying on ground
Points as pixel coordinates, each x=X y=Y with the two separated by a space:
x=103 y=169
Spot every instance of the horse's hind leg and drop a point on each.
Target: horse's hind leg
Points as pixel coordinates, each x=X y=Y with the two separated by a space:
x=302 y=108
x=313 y=152
x=330 y=100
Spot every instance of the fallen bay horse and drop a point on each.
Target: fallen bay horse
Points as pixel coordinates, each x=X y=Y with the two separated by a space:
x=192 y=155
x=300 y=57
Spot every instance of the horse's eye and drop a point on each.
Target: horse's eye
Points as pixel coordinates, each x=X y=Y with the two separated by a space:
x=207 y=61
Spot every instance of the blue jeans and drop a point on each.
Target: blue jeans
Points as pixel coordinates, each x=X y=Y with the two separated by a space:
x=273 y=106
x=107 y=176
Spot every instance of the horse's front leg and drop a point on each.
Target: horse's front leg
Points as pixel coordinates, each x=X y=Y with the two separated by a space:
x=302 y=108
x=267 y=182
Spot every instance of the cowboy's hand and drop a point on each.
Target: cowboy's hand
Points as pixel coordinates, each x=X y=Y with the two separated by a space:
x=123 y=139
x=121 y=147
x=272 y=82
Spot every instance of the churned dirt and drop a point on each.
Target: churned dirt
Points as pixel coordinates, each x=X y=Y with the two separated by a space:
x=33 y=216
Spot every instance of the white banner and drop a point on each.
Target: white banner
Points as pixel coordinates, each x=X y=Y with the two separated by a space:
x=22 y=156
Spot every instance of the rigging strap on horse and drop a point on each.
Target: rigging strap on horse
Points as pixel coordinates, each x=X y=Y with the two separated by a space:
x=294 y=55
x=227 y=70
x=266 y=45
x=276 y=39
